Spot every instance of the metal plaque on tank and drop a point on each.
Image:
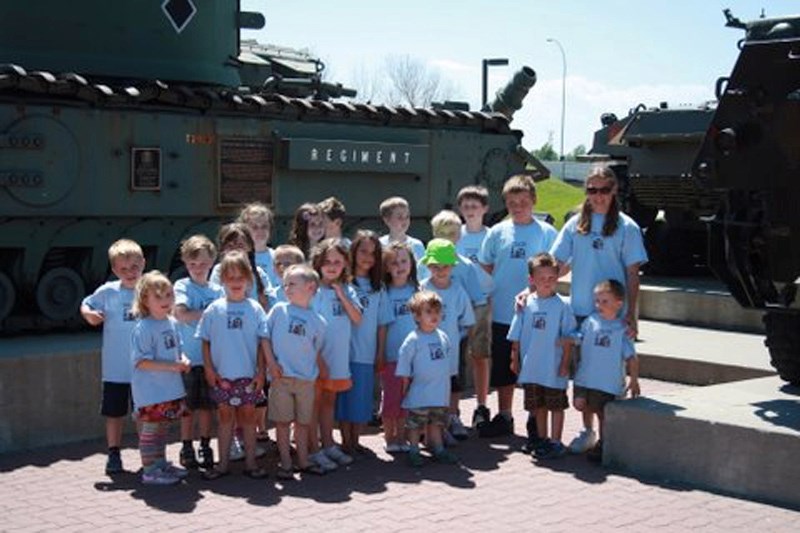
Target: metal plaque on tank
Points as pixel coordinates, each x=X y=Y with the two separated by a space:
x=146 y=169
x=245 y=171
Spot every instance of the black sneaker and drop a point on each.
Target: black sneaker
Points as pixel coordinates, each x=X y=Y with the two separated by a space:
x=499 y=426
x=188 y=459
x=533 y=443
x=206 y=458
x=114 y=463
x=595 y=454
x=481 y=415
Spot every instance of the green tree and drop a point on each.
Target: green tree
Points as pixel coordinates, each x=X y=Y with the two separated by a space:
x=576 y=152
x=546 y=152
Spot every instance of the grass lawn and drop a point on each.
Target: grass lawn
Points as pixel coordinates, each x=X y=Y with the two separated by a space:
x=557 y=197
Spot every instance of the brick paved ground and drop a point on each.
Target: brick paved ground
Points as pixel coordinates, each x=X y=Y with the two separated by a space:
x=496 y=489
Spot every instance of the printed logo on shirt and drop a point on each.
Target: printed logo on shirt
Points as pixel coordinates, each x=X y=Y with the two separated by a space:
x=603 y=338
x=363 y=299
x=336 y=308
x=436 y=351
x=400 y=307
x=170 y=342
x=127 y=314
x=597 y=243
x=297 y=326
x=472 y=253
x=235 y=321
x=539 y=320
x=518 y=250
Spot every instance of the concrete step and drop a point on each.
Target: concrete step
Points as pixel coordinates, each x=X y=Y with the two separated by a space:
x=692 y=301
x=740 y=438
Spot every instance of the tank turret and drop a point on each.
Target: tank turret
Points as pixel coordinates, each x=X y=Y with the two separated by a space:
x=508 y=100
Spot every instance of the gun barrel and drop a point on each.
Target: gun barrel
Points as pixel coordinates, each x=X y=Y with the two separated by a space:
x=508 y=100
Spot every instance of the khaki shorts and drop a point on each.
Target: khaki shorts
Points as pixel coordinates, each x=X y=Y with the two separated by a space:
x=596 y=400
x=422 y=416
x=291 y=400
x=480 y=337
x=541 y=397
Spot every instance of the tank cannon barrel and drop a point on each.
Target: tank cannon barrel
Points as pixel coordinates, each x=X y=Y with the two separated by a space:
x=508 y=100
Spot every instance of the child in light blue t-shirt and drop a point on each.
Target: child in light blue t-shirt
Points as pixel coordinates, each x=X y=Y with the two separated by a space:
x=396 y=215
x=293 y=353
x=538 y=334
x=284 y=256
x=158 y=361
x=425 y=370
x=607 y=352
x=110 y=305
x=192 y=295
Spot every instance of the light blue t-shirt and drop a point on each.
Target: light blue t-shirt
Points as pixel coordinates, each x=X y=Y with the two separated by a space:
x=400 y=319
x=466 y=273
x=605 y=346
x=537 y=328
x=416 y=245
x=507 y=248
x=425 y=358
x=336 y=345
x=155 y=340
x=470 y=244
x=457 y=316
x=275 y=295
x=214 y=278
x=115 y=302
x=375 y=313
x=233 y=329
x=296 y=335
x=264 y=260
x=594 y=258
x=195 y=298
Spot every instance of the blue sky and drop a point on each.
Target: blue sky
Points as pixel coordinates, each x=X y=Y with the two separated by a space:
x=619 y=52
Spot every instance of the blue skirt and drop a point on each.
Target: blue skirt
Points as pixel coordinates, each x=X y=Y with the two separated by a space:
x=355 y=405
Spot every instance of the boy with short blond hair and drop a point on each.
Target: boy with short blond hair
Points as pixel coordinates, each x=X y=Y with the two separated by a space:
x=110 y=305
x=192 y=295
x=396 y=215
x=285 y=256
x=538 y=334
x=295 y=335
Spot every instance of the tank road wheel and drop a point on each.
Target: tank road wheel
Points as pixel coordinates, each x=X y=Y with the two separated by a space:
x=59 y=293
x=783 y=341
x=7 y=296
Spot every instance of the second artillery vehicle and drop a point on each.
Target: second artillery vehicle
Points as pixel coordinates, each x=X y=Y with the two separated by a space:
x=152 y=120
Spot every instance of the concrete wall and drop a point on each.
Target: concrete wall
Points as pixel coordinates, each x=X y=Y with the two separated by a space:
x=49 y=390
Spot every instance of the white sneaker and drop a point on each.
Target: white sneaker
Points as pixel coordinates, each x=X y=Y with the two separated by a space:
x=448 y=438
x=334 y=453
x=323 y=461
x=158 y=476
x=583 y=442
x=237 y=450
x=457 y=429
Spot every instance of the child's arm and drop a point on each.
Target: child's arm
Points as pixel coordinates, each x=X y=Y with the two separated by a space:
x=566 y=354
x=405 y=383
x=212 y=377
x=633 y=377
x=353 y=313
x=164 y=366
x=515 y=357
x=272 y=365
x=185 y=316
x=92 y=317
x=380 y=357
x=323 y=366
x=632 y=292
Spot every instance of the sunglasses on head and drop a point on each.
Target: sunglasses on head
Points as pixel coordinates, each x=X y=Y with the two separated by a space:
x=599 y=190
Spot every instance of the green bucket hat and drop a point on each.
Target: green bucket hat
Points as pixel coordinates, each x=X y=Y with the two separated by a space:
x=440 y=252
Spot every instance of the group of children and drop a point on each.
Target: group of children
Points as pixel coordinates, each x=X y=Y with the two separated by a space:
x=297 y=334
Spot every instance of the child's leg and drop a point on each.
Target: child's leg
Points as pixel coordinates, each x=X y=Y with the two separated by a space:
x=187 y=424
x=313 y=427
x=455 y=397
x=261 y=420
x=163 y=436
x=346 y=430
x=480 y=374
x=541 y=421
x=301 y=438
x=355 y=434
x=413 y=437
x=284 y=447
x=327 y=404
x=225 y=416
x=434 y=436
x=601 y=419
x=588 y=419
x=557 y=424
x=246 y=421
x=389 y=430
x=114 y=425
x=204 y=421
x=148 y=445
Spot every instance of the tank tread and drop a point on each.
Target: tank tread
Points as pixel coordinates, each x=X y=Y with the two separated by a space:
x=783 y=342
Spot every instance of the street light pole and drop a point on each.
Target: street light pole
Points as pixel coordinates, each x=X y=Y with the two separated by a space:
x=486 y=63
x=563 y=99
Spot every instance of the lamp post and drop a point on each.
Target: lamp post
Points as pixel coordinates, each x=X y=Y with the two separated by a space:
x=496 y=62
x=563 y=99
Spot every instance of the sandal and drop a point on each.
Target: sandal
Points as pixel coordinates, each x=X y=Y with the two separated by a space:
x=311 y=468
x=258 y=473
x=285 y=474
x=213 y=473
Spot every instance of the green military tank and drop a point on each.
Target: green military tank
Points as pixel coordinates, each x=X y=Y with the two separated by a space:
x=750 y=157
x=153 y=120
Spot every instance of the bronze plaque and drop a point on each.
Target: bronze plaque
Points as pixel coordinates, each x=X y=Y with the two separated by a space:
x=245 y=170
x=146 y=169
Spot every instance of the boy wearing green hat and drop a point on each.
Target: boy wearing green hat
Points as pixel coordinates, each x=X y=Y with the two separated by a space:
x=457 y=315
